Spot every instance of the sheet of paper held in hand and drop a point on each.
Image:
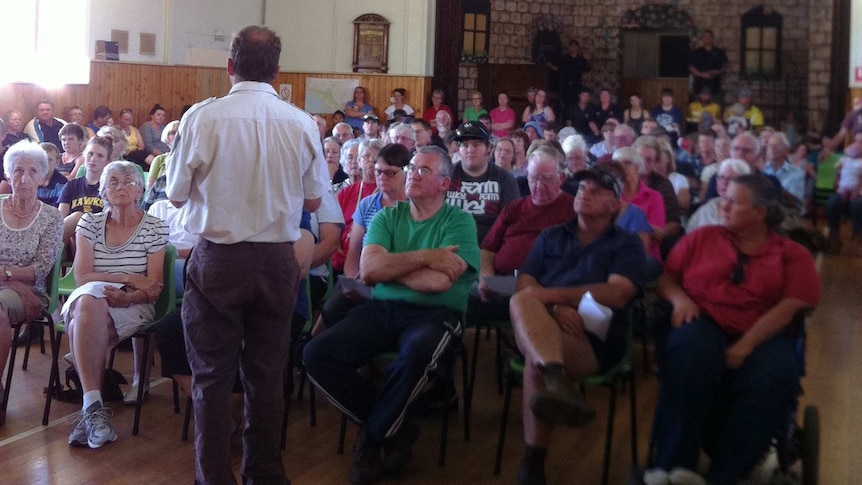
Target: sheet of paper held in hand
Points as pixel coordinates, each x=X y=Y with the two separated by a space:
x=502 y=285
x=355 y=285
x=597 y=317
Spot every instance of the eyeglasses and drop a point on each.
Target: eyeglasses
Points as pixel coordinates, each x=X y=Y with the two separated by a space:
x=116 y=184
x=737 y=275
x=723 y=178
x=422 y=171
x=546 y=179
x=401 y=138
x=392 y=172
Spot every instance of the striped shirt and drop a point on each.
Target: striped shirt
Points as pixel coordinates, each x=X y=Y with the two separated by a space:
x=131 y=256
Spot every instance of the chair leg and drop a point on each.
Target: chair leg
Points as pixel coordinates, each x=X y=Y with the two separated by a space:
x=176 y=396
x=499 y=361
x=142 y=383
x=634 y=417
x=466 y=391
x=474 y=357
x=444 y=436
x=312 y=405
x=610 y=432
x=13 y=351
x=284 y=423
x=54 y=386
x=302 y=379
x=341 y=431
x=507 y=397
x=27 y=346
x=187 y=419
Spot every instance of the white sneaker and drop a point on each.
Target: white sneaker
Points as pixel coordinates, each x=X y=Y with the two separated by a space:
x=100 y=431
x=683 y=476
x=130 y=397
x=78 y=436
x=68 y=358
x=656 y=476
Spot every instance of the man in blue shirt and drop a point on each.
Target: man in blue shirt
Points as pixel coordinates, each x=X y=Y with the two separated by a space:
x=792 y=178
x=586 y=254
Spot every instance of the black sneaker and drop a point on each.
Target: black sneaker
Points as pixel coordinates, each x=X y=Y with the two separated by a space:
x=367 y=466
x=398 y=450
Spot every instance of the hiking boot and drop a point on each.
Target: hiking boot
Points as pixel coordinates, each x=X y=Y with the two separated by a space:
x=367 y=466
x=561 y=402
x=398 y=449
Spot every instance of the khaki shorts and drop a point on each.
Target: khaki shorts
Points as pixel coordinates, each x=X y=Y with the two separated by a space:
x=11 y=301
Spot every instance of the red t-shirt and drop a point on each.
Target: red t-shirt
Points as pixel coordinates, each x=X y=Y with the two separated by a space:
x=517 y=227
x=498 y=116
x=348 y=199
x=651 y=202
x=703 y=261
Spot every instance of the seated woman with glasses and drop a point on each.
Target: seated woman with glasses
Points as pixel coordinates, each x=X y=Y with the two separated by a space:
x=390 y=178
x=708 y=214
x=118 y=267
x=731 y=370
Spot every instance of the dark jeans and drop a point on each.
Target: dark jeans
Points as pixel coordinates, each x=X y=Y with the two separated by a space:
x=421 y=335
x=733 y=414
x=836 y=208
x=236 y=312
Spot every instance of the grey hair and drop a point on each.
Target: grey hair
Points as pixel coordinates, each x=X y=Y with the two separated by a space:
x=346 y=147
x=374 y=143
x=339 y=125
x=549 y=151
x=124 y=169
x=630 y=154
x=402 y=128
x=575 y=142
x=25 y=149
x=781 y=137
x=738 y=166
x=173 y=125
x=755 y=139
x=10 y=113
x=446 y=167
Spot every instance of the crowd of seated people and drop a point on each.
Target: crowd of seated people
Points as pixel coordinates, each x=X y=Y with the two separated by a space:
x=592 y=203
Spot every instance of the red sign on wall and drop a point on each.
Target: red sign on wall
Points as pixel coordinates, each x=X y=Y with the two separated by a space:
x=857 y=74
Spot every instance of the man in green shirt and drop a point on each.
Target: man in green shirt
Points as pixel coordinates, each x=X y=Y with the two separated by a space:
x=421 y=257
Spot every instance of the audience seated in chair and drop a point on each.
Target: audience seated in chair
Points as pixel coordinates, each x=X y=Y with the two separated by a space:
x=730 y=371
x=587 y=254
x=81 y=195
x=421 y=256
x=120 y=253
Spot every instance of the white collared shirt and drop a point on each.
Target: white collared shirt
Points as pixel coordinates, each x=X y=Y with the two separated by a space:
x=245 y=163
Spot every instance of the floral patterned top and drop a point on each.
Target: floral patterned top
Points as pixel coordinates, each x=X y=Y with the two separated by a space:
x=36 y=245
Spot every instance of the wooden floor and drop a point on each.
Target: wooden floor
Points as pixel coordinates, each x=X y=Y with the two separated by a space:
x=31 y=453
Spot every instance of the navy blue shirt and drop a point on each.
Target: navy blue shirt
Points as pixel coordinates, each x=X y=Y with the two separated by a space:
x=51 y=192
x=558 y=260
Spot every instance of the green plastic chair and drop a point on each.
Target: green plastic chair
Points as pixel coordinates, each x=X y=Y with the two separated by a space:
x=824 y=185
x=167 y=301
x=620 y=372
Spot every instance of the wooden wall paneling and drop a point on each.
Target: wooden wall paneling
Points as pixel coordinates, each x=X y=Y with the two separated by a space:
x=140 y=86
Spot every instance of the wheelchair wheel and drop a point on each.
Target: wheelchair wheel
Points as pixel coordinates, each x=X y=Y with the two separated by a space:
x=810 y=446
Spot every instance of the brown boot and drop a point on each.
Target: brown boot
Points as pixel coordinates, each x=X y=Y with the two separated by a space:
x=560 y=402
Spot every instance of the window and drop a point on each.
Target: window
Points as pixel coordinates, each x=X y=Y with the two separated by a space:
x=761 y=44
x=50 y=46
x=477 y=28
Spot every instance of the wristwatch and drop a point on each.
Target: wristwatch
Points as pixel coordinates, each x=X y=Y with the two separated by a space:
x=8 y=274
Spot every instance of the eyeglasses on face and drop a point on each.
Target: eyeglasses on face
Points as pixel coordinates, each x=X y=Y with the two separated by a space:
x=389 y=173
x=737 y=275
x=421 y=171
x=546 y=179
x=116 y=184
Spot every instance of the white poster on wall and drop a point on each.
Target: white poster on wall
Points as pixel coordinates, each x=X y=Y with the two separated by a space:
x=855 y=44
x=285 y=92
x=324 y=96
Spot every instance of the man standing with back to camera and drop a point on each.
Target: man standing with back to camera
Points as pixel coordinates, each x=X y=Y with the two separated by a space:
x=245 y=165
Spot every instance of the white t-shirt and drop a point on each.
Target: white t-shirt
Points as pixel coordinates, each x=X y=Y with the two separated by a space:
x=177 y=236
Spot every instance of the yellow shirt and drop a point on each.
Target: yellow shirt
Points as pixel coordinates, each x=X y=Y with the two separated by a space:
x=696 y=110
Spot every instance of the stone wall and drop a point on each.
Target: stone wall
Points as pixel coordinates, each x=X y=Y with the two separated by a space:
x=596 y=25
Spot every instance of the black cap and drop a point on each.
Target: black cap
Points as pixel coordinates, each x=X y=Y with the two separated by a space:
x=472 y=130
x=371 y=117
x=603 y=177
x=399 y=112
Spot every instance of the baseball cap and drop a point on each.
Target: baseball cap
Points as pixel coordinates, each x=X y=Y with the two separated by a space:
x=472 y=130
x=603 y=177
x=371 y=117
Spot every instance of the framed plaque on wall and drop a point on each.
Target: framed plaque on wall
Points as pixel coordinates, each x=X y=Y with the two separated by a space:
x=371 y=43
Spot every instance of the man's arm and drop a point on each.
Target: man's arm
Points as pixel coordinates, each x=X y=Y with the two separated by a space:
x=378 y=265
x=614 y=293
x=311 y=205
x=329 y=235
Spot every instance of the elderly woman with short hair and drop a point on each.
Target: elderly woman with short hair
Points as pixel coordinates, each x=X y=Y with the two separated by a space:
x=577 y=159
x=30 y=233
x=118 y=267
